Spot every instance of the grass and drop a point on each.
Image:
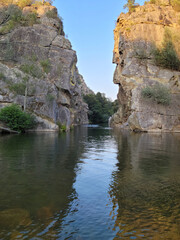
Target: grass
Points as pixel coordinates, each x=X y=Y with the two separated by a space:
x=18 y=88
x=32 y=70
x=45 y=64
x=2 y=76
x=158 y=93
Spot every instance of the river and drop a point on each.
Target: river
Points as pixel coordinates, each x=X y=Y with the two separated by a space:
x=93 y=183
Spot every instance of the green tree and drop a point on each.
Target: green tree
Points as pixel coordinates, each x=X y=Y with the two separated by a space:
x=100 y=108
x=130 y=5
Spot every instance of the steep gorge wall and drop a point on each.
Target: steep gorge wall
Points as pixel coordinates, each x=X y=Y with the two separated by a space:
x=41 y=58
x=135 y=36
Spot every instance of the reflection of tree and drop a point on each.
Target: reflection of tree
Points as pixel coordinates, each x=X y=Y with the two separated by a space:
x=37 y=175
x=145 y=188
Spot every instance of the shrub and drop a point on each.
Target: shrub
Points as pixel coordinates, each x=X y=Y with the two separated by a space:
x=18 y=88
x=45 y=64
x=166 y=56
x=15 y=18
x=62 y=127
x=24 y=3
x=30 y=19
x=51 y=14
x=175 y=4
x=32 y=70
x=50 y=97
x=16 y=119
x=158 y=93
x=2 y=77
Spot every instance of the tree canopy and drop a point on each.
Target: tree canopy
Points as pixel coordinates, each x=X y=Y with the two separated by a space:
x=100 y=107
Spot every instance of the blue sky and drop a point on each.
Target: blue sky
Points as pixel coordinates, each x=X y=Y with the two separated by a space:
x=89 y=25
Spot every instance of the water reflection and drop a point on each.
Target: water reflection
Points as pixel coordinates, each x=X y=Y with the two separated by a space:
x=145 y=188
x=37 y=176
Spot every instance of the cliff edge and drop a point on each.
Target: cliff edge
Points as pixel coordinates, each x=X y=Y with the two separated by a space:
x=38 y=66
x=141 y=39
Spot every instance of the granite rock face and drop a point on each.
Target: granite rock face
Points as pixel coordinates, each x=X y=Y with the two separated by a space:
x=135 y=36
x=40 y=59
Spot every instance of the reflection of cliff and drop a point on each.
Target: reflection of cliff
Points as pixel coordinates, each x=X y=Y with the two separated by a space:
x=37 y=177
x=145 y=188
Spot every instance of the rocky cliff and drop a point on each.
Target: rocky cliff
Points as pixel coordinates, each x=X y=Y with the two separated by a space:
x=136 y=35
x=38 y=66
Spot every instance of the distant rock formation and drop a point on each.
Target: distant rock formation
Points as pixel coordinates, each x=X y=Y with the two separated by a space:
x=38 y=68
x=135 y=36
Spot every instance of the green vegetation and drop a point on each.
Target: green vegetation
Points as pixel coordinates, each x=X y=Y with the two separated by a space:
x=24 y=3
x=166 y=56
x=130 y=5
x=18 y=88
x=50 y=97
x=158 y=93
x=175 y=4
x=2 y=77
x=32 y=70
x=16 y=119
x=45 y=64
x=15 y=18
x=51 y=14
x=62 y=127
x=100 y=108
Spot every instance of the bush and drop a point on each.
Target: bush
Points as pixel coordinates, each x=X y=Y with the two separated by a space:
x=166 y=56
x=32 y=70
x=62 y=127
x=175 y=4
x=16 y=119
x=24 y=3
x=18 y=88
x=51 y=14
x=158 y=93
x=15 y=18
x=2 y=77
x=45 y=64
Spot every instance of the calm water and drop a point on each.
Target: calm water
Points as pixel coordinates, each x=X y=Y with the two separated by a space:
x=92 y=183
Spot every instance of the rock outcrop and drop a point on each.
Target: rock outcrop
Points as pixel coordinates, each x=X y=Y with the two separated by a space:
x=135 y=36
x=38 y=69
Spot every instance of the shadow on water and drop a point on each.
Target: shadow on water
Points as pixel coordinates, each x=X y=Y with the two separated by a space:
x=37 y=176
x=145 y=187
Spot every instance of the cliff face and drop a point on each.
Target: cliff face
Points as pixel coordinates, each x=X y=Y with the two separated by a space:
x=135 y=36
x=38 y=68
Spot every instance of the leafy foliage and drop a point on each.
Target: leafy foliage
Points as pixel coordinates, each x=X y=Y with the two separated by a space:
x=100 y=108
x=166 y=56
x=158 y=93
x=62 y=127
x=130 y=5
x=16 y=119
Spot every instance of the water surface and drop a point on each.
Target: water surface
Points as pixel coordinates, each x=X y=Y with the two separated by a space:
x=92 y=183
